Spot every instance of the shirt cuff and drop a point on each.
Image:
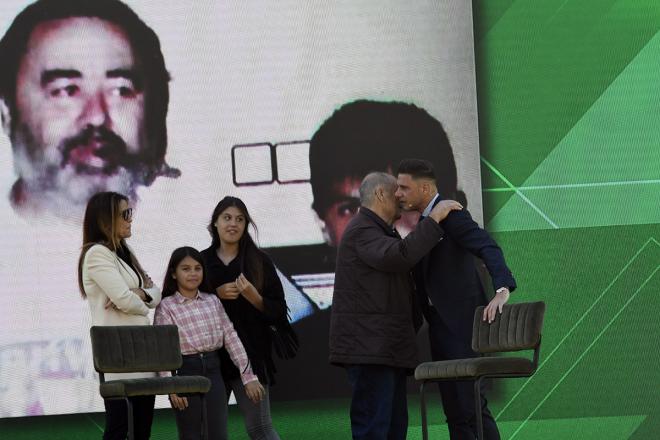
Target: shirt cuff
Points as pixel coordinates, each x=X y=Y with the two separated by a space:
x=248 y=377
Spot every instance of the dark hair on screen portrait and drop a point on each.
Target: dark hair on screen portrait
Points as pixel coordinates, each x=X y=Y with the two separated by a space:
x=169 y=283
x=364 y=136
x=150 y=63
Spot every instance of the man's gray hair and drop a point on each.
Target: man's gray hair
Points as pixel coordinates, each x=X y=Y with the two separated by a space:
x=371 y=182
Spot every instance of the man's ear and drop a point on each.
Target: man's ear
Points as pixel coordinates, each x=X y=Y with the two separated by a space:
x=426 y=187
x=380 y=193
x=5 y=117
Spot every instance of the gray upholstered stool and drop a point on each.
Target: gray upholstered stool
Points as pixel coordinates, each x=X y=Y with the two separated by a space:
x=517 y=328
x=143 y=348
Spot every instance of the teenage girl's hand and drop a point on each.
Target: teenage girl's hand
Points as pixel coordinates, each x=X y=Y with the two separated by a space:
x=109 y=304
x=228 y=291
x=250 y=293
x=255 y=391
x=244 y=285
x=179 y=403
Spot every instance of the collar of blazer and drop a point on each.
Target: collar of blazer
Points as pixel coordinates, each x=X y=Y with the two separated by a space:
x=122 y=266
x=426 y=260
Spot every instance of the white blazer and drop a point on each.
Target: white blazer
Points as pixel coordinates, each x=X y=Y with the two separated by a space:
x=106 y=276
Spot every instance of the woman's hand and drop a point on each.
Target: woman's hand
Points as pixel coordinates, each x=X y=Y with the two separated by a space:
x=109 y=304
x=255 y=391
x=148 y=282
x=139 y=292
x=179 y=403
x=228 y=291
x=245 y=286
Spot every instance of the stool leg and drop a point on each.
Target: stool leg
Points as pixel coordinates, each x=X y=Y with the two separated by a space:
x=131 y=428
x=477 y=409
x=425 y=430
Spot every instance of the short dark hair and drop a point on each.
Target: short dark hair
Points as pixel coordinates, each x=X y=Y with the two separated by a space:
x=143 y=40
x=417 y=168
x=363 y=136
x=170 y=285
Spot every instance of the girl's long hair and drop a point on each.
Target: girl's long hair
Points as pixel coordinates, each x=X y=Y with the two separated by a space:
x=100 y=227
x=170 y=285
x=251 y=258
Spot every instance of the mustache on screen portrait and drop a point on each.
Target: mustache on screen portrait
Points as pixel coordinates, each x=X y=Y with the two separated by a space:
x=95 y=150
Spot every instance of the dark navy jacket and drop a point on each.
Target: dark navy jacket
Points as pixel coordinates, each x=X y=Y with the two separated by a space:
x=448 y=275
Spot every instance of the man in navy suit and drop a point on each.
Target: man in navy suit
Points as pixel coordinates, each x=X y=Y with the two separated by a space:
x=449 y=290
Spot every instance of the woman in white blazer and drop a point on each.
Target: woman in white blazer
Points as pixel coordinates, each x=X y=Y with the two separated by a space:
x=119 y=292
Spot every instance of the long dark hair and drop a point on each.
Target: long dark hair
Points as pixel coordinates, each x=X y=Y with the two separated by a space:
x=170 y=285
x=99 y=227
x=251 y=258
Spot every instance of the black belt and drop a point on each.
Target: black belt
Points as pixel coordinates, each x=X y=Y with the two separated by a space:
x=203 y=355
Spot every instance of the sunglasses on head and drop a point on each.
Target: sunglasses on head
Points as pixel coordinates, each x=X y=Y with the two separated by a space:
x=127 y=214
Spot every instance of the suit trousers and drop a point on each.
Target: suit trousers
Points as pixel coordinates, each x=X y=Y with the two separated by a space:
x=458 y=396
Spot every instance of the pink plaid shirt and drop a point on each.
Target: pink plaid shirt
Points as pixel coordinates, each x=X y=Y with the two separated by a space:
x=204 y=326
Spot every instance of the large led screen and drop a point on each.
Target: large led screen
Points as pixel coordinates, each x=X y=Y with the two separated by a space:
x=285 y=104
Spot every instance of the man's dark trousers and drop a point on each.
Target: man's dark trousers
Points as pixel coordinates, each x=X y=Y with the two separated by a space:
x=379 y=407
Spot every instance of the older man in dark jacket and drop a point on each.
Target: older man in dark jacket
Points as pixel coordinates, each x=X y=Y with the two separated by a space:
x=372 y=329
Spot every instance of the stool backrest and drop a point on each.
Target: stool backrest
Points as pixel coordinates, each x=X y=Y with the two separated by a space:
x=517 y=328
x=135 y=348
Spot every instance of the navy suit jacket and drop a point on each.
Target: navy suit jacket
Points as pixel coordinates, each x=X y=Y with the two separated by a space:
x=448 y=275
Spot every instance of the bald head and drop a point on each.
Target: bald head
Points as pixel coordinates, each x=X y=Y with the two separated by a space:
x=371 y=183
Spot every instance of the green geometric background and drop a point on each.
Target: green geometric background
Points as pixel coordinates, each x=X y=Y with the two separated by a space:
x=606 y=169
x=570 y=138
x=569 y=108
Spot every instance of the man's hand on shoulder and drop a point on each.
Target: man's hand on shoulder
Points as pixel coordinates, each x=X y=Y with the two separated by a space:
x=443 y=208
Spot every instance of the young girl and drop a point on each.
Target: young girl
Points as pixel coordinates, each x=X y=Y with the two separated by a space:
x=203 y=329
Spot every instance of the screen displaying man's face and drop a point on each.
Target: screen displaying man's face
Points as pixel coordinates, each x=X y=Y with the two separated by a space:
x=345 y=205
x=80 y=109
